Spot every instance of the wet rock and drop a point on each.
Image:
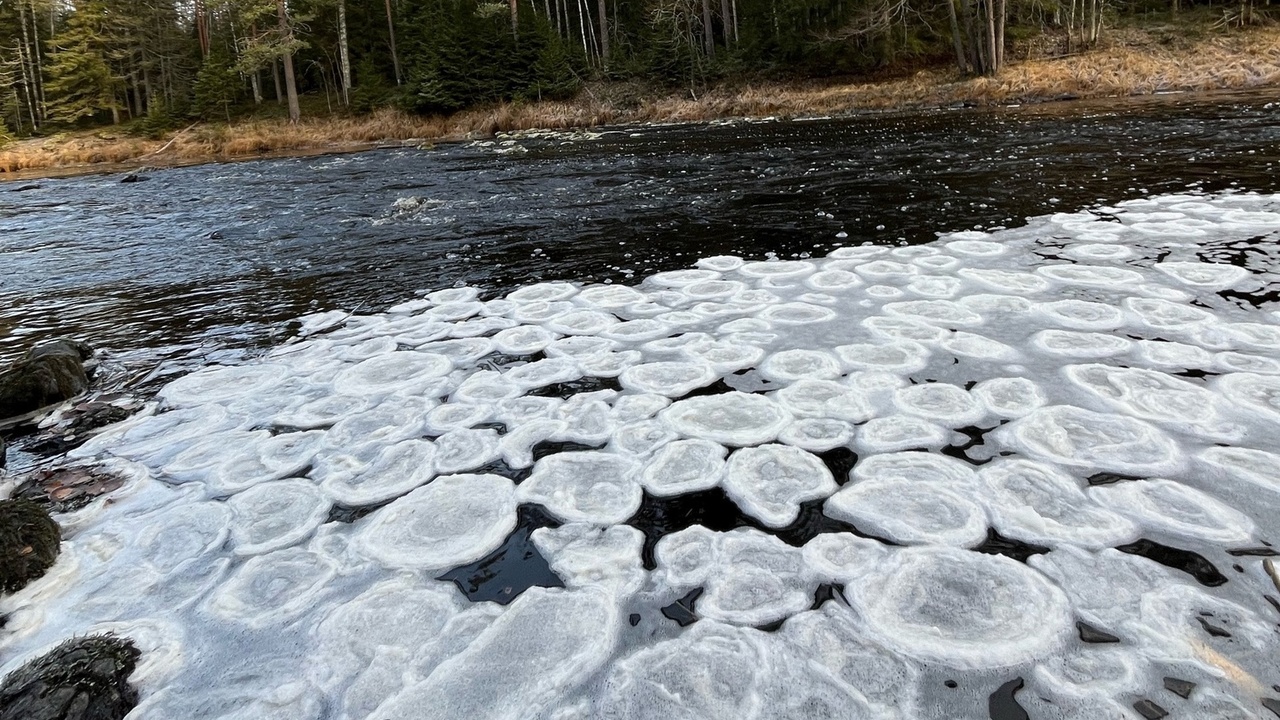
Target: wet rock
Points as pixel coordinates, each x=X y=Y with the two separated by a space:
x=82 y=679
x=134 y=178
x=1179 y=687
x=61 y=347
x=66 y=489
x=29 y=543
x=73 y=426
x=4 y=458
x=25 y=188
x=50 y=373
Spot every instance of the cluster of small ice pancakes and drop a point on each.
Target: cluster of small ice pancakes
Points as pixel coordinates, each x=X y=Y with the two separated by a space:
x=1118 y=340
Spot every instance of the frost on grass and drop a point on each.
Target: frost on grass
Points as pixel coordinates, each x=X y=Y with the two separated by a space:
x=816 y=487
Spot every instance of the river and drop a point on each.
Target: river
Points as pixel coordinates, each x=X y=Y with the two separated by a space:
x=201 y=259
x=1019 y=464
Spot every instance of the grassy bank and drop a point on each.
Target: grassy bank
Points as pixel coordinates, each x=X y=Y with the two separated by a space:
x=1130 y=62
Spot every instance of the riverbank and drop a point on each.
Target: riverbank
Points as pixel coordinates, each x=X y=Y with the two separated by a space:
x=1132 y=62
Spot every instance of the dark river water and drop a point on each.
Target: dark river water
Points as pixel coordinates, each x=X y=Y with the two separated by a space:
x=203 y=259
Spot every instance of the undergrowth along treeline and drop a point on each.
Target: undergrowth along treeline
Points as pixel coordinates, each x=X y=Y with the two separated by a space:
x=160 y=64
x=1130 y=63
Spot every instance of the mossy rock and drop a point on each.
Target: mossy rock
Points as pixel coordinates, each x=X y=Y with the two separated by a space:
x=50 y=373
x=82 y=679
x=29 y=543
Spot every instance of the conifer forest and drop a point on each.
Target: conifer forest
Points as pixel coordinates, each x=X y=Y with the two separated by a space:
x=160 y=63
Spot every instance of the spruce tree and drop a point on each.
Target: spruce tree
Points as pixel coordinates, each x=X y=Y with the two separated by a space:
x=217 y=87
x=81 y=83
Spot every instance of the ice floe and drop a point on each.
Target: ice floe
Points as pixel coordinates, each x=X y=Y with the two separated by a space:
x=455 y=520
x=809 y=487
x=770 y=481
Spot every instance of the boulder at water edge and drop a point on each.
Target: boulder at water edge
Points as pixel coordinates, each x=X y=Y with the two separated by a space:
x=82 y=679
x=29 y=543
x=50 y=373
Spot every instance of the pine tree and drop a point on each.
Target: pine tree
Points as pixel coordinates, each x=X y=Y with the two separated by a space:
x=554 y=78
x=217 y=86
x=81 y=83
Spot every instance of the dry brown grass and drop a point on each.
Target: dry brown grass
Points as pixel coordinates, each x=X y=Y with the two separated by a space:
x=1133 y=64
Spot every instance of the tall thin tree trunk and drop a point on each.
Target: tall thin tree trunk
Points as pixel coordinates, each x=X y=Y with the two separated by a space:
x=733 y=4
x=137 y=95
x=582 y=27
x=584 y=9
x=275 y=77
x=991 y=37
x=708 y=38
x=604 y=34
x=724 y=22
x=255 y=81
x=955 y=36
x=1071 y=28
x=146 y=87
x=202 y=28
x=391 y=32
x=290 y=81
x=38 y=67
x=27 y=67
x=17 y=109
x=515 y=18
x=1001 y=11
x=343 y=54
x=972 y=41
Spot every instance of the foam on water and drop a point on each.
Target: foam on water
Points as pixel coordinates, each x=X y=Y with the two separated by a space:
x=880 y=484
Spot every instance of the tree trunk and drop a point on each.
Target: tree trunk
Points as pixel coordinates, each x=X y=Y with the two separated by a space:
x=724 y=22
x=137 y=95
x=202 y=28
x=515 y=18
x=256 y=83
x=391 y=32
x=990 y=68
x=955 y=36
x=973 y=44
x=146 y=87
x=290 y=82
x=582 y=27
x=584 y=8
x=28 y=67
x=17 y=109
x=275 y=78
x=39 y=63
x=1071 y=27
x=343 y=53
x=733 y=4
x=708 y=38
x=604 y=34
x=1001 y=11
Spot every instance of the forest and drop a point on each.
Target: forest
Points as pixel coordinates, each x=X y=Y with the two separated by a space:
x=159 y=64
